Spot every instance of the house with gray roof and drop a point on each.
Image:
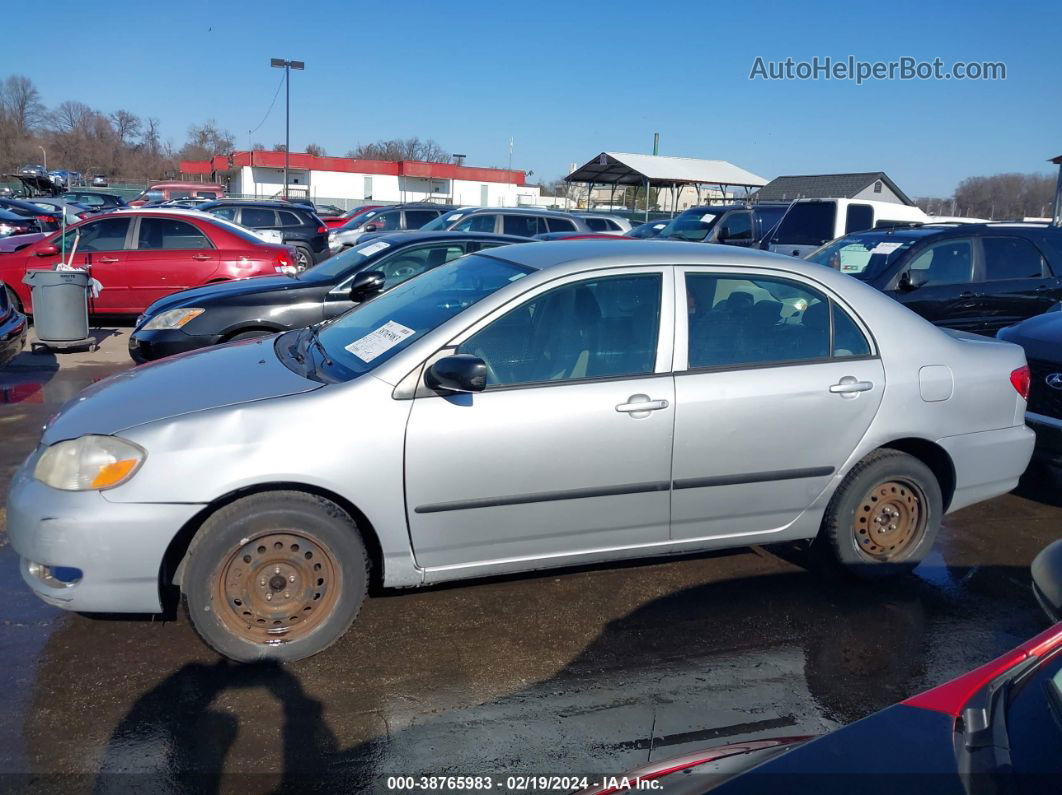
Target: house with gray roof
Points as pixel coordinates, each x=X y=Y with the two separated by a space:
x=873 y=185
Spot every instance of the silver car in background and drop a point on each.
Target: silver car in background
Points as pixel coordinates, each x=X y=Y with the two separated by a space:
x=606 y=223
x=522 y=408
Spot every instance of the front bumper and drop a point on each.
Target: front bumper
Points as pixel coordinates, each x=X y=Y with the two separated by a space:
x=147 y=346
x=118 y=547
x=12 y=336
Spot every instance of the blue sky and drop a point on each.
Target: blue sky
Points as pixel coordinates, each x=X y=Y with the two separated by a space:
x=570 y=79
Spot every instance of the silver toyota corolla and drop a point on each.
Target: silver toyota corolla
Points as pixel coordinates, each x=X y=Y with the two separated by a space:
x=533 y=406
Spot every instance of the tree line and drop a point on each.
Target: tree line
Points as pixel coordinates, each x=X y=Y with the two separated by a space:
x=125 y=146
x=997 y=197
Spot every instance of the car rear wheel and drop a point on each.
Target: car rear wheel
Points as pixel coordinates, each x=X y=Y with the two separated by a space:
x=279 y=576
x=884 y=517
x=303 y=258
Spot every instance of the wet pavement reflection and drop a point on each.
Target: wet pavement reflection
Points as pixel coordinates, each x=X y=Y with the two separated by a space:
x=582 y=671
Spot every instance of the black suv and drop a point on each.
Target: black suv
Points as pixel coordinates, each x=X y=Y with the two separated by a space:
x=298 y=224
x=972 y=277
x=95 y=200
x=733 y=224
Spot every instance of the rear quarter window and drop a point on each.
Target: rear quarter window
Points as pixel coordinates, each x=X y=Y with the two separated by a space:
x=807 y=224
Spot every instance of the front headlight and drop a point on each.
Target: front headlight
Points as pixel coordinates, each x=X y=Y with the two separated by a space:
x=172 y=318
x=89 y=462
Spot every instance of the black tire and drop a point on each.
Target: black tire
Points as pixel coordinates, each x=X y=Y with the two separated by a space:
x=12 y=298
x=253 y=334
x=886 y=480
x=297 y=534
x=303 y=258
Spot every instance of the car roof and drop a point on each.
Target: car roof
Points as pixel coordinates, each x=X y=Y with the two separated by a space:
x=521 y=211
x=416 y=236
x=589 y=254
x=266 y=204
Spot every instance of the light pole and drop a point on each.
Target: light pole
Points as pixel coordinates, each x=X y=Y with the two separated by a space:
x=45 y=157
x=287 y=66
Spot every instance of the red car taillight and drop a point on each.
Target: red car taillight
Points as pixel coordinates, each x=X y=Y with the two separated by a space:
x=1021 y=379
x=46 y=219
x=951 y=697
x=322 y=229
x=85 y=214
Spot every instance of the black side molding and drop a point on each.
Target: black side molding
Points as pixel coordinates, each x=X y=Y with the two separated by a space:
x=753 y=477
x=544 y=496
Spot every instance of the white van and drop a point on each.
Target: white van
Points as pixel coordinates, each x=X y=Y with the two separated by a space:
x=808 y=223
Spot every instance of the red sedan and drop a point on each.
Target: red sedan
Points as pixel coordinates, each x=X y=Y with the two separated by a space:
x=140 y=256
x=336 y=221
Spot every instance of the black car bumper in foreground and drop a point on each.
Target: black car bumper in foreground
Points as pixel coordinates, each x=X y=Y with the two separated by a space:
x=13 y=329
x=147 y=346
x=1048 y=451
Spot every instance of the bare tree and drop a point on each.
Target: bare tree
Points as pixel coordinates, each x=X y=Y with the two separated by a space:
x=206 y=140
x=126 y=125
x=1006 y=196
x=20 y=104
x=71 y=116
x=279 y=147
x=428 y=151
x=316 y=150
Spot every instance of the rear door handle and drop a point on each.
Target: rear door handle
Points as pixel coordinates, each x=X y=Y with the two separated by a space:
x=850 y=386
x=639 y=406
x=201 y=257
x=107 y=259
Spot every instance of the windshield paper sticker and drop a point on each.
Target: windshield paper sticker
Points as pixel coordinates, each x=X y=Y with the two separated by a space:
x=707 y=218
x=380 y=341
x=372 y=248
x=885 y=248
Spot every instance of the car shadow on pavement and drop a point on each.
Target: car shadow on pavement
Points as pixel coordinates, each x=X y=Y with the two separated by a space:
x=773 y=654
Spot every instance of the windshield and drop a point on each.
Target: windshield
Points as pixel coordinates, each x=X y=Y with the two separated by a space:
x=443 y=221
x=691 y=225
x=865 y=256
x=806 y=224
x=373 y=332
x=345 y=262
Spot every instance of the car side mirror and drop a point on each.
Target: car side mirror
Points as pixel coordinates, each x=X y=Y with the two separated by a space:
x=912 y=280
x=48 y=251
x=461 y=372
x=369 y=228
x=366 y=284
x=1047 y=579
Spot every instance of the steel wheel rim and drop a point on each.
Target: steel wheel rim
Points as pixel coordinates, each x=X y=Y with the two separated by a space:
x=890 y=521
x=277 y=587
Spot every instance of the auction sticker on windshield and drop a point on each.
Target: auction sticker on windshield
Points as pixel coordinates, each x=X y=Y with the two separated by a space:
x=380 y=341
x=371 y=248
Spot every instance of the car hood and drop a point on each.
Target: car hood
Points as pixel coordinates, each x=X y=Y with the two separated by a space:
x=15 y=242
x=239 y=372
x=1041 y=336
x=222 y=291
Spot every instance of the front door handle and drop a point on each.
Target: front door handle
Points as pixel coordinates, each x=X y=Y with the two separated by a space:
x=201 y=257
x=850 y=387
x=639 y=406
x=107 y=259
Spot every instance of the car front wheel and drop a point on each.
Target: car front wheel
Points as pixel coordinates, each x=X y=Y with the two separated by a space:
x=884 y=517
x=279 y=575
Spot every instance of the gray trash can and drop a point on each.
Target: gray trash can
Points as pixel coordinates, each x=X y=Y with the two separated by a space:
x=60 y=307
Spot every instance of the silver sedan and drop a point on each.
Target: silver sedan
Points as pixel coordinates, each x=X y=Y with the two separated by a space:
x=520 y=408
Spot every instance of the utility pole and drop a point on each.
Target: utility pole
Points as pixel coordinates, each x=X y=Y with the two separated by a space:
x=287 y=66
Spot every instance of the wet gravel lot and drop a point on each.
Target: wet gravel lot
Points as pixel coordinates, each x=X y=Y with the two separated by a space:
x=582 y=671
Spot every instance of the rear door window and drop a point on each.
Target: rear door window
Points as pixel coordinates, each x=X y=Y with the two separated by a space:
x=523 y=225
x=1011 y=258
x=415 y=219
x=858 y=217
x=228 y=213
x=258 y=218
x=736 y=227
x=560 y=225
x=167 y=234
x=596 y=224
